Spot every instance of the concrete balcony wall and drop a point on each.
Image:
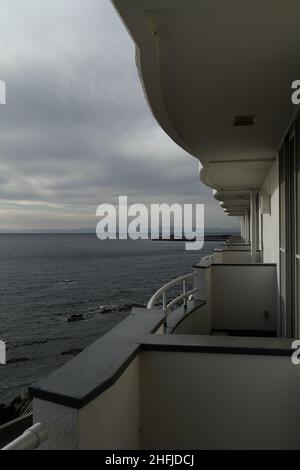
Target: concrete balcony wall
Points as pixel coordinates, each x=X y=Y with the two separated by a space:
x=212 y=401
x=199 y=320
x=178 y=392
x=235 y=256
x=110 y=421
x=113 y=419
x=218 y=256
x=244 y=297
x=238 y=297
x=93 y=401
x=236 y=247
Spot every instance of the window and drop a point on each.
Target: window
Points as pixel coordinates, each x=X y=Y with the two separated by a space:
x=289 y=161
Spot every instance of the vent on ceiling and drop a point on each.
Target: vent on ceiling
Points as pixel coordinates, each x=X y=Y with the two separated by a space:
x=244 y=120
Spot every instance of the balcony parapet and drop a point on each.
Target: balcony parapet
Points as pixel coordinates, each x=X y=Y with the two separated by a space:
x=219 y=345
x=142 y=407
x=98 y=367
x=239 y=254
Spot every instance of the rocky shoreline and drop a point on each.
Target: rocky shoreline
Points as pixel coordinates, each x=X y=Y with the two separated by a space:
x=14 y=409
x=104 y=309
x=18 y=405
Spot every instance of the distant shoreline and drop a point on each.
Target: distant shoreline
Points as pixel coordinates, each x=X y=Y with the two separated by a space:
x=207 y=238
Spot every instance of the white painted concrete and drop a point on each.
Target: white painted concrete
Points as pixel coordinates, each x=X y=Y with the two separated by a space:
x=253 y=225
x=218 y=257
x=271 y=228
x=239 y=297
x=247 y=227
x=232 y=158
x=271 y=221
x=111 y=421
x=235 y=256
x=160 y=331
x=236 y=247
x=213 y=401
x=199 y=282
x=244 y=297
x=243 y=227
x=174 y=400
x=61 y=422
x=199 y=321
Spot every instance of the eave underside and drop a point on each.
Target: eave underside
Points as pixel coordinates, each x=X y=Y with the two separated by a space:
x=204 y=62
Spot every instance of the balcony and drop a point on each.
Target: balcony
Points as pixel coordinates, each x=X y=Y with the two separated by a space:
x=201 y=370
x=229 y=294
x=134 y=389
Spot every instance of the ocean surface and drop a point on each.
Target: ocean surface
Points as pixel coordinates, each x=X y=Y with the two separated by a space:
x=47 y=279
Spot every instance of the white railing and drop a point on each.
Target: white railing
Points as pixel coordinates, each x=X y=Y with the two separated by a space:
x=31 y=439
x=208 y=258
x=162 y=294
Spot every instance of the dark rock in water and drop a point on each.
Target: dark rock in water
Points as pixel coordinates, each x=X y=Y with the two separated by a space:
x=104 y=309
x=17 y=359
x=119 y=308
x=75 y=317
x=14 y=409
x=71 y=352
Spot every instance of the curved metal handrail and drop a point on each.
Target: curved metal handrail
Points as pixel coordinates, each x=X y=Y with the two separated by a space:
x=31 y=439
x=162 y=292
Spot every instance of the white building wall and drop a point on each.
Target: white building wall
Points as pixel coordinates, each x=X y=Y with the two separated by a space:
x=271 y=221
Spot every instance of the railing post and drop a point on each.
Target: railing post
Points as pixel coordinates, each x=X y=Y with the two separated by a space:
x=184 y=292
x=182 y=298
x=164 y=296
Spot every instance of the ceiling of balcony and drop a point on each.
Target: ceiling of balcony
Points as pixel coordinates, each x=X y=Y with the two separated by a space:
x=204 y=62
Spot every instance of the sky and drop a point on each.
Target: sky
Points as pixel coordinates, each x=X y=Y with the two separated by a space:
x=76 y=131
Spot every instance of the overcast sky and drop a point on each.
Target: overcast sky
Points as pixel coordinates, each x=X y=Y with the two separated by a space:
x=76 y=130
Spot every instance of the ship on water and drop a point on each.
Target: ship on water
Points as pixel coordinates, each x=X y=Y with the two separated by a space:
x=213 y=367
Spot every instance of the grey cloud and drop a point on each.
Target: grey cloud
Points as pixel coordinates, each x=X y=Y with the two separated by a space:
x=76 y=130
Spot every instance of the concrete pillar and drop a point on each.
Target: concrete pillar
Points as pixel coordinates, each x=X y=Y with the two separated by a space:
x=247 y=239
x=243 y=228
x=253 y=225
x=200 y=284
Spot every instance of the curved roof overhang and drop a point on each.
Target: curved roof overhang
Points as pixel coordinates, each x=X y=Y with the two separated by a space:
x=234 y=202
x=202 y=63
